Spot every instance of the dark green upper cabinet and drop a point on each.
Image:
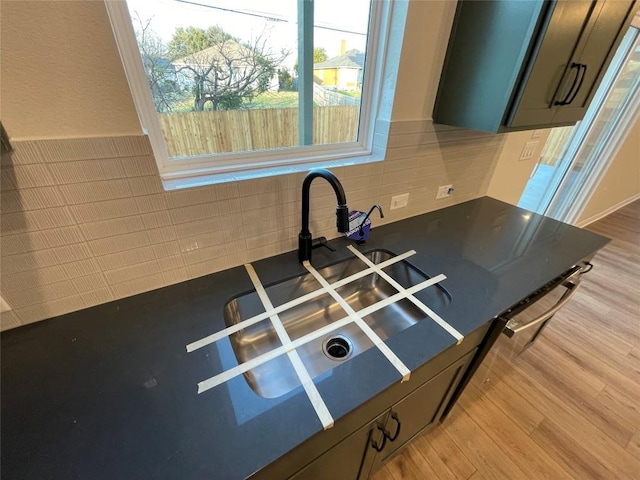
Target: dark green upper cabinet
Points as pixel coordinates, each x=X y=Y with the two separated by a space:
x=527 y=64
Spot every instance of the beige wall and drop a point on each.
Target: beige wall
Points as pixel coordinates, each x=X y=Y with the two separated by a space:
x=61 y=72
x=621 y=182
x=423 y=50
x=512 y=174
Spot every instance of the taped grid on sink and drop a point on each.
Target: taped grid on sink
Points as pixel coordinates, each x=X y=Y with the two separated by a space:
x=289 y=346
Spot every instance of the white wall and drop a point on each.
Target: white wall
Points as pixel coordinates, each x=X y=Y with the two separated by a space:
x=621 y=183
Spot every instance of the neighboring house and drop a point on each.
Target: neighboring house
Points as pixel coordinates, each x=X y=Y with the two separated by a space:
x=225 y=65
x=343 y=72
x=228 y=60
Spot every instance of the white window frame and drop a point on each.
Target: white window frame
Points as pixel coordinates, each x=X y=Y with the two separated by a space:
x=379 y=83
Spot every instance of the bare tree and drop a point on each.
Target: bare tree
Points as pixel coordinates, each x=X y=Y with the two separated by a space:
x=159 y=70
x=227 y=72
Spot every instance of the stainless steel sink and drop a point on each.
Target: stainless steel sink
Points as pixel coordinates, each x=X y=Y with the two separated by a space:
x=277 y=377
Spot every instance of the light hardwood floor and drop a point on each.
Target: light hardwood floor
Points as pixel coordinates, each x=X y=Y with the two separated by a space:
x=568 y=408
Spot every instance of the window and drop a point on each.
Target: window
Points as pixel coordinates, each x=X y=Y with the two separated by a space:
x=232 y=89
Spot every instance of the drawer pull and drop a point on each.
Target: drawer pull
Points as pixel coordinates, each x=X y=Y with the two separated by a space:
x=393 y=437
x=374 y=444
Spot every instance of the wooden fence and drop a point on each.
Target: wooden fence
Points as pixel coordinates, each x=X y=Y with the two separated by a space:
x=198 y=133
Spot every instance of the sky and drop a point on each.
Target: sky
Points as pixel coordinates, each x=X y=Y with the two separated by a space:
x=348 y=15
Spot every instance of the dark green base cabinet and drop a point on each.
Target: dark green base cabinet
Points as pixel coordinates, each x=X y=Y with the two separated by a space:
x=359 y=443
x=360 y=454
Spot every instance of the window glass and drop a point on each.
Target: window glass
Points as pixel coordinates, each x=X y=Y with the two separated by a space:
x=224 y=73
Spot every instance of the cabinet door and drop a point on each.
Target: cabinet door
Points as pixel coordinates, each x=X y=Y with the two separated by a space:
x=345 y=460
x=421 y=409
x=597 y=47
x=549 y=74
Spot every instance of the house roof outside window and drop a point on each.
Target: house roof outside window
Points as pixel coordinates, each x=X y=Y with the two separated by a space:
x=350 y=59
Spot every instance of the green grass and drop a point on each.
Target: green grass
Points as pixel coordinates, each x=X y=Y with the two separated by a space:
x=350 y=93
x=264 y=100
x=274 y=100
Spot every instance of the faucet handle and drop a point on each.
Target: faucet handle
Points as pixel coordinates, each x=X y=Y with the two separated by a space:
x=321 y=242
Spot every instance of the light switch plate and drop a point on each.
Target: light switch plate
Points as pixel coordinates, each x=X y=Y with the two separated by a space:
x=399 y=201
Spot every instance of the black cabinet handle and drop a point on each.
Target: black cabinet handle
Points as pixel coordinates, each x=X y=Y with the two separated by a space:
x=583 y=67
x=393 y=437
x=374 y=444
x=566 y=100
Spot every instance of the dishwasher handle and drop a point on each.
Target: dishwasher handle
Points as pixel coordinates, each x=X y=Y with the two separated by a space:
x=572 y=288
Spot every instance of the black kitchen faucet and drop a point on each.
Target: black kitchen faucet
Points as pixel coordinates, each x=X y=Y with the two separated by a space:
x=305 y=242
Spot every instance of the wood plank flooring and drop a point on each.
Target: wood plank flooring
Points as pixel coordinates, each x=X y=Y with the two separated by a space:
x=568 y=408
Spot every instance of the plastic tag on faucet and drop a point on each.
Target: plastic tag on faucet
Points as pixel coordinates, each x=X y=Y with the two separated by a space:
x=355 y=220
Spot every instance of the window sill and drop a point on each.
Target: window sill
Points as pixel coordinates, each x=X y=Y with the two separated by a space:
x=210 y=176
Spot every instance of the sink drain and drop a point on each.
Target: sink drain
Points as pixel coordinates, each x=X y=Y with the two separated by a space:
x=337 y=347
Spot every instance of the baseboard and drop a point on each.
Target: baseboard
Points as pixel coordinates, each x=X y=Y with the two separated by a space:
x=613 y=208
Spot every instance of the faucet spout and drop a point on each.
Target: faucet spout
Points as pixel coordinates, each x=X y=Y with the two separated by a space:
x=368 y=215
x=342 y=211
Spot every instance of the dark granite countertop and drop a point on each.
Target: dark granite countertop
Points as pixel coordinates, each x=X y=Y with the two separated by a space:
x=110 y=392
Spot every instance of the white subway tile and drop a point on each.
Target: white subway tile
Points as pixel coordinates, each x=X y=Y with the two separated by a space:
x=30 y=199
x=9 y=320
x=97 y=297
x=81 y=268
x=162 y=234
x=156 y=219
x=126 y=258
x=87 y=171
x=151 y=203
x=23 y=153
x=191 y=196
x=148 y=185
x=25 y=176
x=89 y=192
x=124 y=274
x=93 y=212
x=89 y=283
x=119 y=243
x=139 y=166
x=167 y=249
x=38 y=294
x=39 y=240
x=22 y=222
x=111 y=227
x=138 y=285
x=174 y=262
x=33 y=278
x=172 y=277
x=199 y=255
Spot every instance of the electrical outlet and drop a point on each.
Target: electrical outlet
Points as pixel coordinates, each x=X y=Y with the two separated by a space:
x=528 y=150
x=399 y=201
x=444 y=191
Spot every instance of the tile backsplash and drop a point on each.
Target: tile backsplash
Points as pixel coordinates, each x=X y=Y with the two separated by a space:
x=86 y=221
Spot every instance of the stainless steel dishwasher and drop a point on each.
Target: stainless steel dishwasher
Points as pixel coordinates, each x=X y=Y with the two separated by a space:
x=527 y=319
x=523 y=323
